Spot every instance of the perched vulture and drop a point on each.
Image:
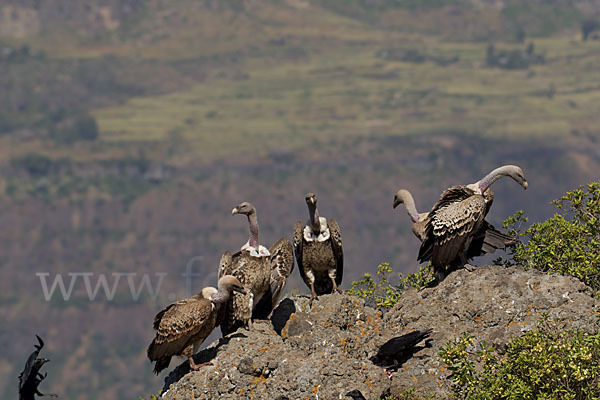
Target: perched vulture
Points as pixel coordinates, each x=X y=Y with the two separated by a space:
x=356 y=395
x=30 y=378
x=487 y=240
x=396 y=350
x=319 y=253
x=181 y=327
x=457 y=220
x=262 y=271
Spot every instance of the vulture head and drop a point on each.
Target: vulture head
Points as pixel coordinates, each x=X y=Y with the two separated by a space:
x=311 y=200
x=244 y=208
x=512 y=171
x=230 y=283
x=226 y=285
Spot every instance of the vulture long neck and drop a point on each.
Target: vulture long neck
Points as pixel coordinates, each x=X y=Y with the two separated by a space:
x=492 y=177
x=220 y=296
x=411 y=208
x=253 y=222
x=314 y=218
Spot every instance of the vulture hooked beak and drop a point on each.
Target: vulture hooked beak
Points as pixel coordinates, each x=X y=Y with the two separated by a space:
x=525 y=185
x=311 y=199
x=239 y=289
x=397 y=201
x=235 y=211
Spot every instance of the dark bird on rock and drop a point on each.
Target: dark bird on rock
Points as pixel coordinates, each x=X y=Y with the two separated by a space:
x=356 y=395
x=458 y=219
x=397 y=350
x=181 y=327
x=262 y=271
x=319 y=253
x=487 y=240
x=30 y=378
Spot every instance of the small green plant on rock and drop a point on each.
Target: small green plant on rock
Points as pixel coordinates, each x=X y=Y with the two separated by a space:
x=550 y=363
x=381 y=292
x=568 y=243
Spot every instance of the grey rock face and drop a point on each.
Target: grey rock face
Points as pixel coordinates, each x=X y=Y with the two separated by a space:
x=322 y=352
x=493 y=304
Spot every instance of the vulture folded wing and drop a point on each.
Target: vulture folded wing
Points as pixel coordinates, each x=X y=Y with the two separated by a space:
x=298 y=236
x=452 y=226
x=282 y=265
x=452 y=195
x=178 y=326
x=336 y=245
x=225 y=265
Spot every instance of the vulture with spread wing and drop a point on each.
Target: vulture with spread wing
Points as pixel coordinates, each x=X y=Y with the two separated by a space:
x=456 y=229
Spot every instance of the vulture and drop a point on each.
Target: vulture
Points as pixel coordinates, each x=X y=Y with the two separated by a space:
x=455 y=228
x=319 y=253
x=356 y=395
x=396 y=350
x=486 y=241
x=30 y=378
x=262 y=271
x=181 y=327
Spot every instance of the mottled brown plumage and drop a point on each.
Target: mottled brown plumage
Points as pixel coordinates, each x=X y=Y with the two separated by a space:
x=182 y=326
x=456 y=229
x=263 y=272
x=319 y=251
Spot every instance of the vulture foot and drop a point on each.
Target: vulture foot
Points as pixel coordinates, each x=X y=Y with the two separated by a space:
x=196 y=367
x=470 y=267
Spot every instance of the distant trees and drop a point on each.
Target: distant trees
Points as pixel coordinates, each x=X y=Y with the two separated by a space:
x=35 y=164
x=513 y=59
x=588 y=26
x=75 y=128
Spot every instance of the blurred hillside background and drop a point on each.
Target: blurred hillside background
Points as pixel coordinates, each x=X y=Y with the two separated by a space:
x=129 y=129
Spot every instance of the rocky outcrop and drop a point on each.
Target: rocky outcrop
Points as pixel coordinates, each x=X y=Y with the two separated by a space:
x=323 y=352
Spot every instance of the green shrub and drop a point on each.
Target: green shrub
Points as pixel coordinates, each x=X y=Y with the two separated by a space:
x=568 y=243
x=588 y=26
x=548 y=363
x=35 y=164
x=71 y=130
x=381 y=292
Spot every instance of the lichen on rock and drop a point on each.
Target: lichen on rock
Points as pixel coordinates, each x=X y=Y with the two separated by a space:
x=322 y=352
